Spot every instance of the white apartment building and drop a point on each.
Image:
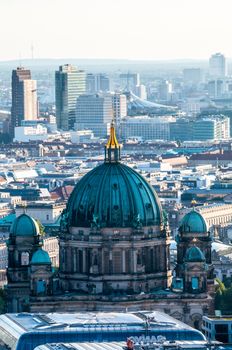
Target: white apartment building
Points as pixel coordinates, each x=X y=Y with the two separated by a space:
x=157 y=128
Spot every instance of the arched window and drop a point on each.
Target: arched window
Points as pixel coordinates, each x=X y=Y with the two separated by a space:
x=24 y=258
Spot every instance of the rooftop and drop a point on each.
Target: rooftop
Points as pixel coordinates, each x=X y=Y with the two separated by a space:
x=27 y=322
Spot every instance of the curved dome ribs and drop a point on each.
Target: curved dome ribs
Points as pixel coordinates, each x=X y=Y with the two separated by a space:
x=130 y=196
x=98 y=210
x=113 y=195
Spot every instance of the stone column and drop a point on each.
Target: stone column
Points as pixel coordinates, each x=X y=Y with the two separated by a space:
x=84 y=259
x=123 y=261
x=134 y=260
x=74 y=260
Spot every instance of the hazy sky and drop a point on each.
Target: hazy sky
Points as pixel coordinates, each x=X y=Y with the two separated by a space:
x=133 y=29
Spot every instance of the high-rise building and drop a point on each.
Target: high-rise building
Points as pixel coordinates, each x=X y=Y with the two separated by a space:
x=165 y=90
x=216 y=88
x=217 y=65
x=141 y=91
x=70 y=84
x=129 y=81
x=119 y=108
x=24 y=97
x=94 y=112
x=97 y=83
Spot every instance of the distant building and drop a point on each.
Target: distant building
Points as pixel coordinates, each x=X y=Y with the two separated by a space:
x=119 y=102
x=209 y=128
x=216 y=88
x=94 y=112
x=97 y=83
x=147 y=128
x=141 y=91
x=24 y=97
x=70 y=83
x=192 y=76
x=217 y=65
x=82 y=136
x=165 y=90
x=181 y=130
x=129 y=81
x=46 y=213
x=30 y=133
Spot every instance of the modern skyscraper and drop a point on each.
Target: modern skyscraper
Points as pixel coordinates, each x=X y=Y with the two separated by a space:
x=129 y=81
x=24 y=97
x=97 y=82
x=217 y=65
x=70 y=84
x=119 y=102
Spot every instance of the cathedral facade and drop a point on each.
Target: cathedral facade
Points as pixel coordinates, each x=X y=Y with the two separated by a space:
x=114 y=252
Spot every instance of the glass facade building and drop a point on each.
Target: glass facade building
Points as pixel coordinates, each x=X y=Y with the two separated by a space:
x=24 y=97
x=69 y=84
x=94 y=112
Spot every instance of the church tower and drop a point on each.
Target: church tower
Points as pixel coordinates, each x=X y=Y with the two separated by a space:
x=194 y=263
x=23 y=241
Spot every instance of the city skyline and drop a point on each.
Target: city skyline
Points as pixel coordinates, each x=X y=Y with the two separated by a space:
x=136 y=30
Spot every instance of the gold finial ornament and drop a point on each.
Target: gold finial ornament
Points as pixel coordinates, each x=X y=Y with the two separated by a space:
x=112 y=148
x=112 y=142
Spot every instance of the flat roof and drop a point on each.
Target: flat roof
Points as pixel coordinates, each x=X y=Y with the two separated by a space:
x=28 y=322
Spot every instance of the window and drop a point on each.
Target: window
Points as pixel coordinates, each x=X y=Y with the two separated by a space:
x=195 y=283
x=24 y=258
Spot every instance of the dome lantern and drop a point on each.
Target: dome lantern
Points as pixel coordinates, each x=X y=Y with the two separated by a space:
x=112 y=148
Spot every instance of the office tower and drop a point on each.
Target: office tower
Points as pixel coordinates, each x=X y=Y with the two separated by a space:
x=94 y=112
x=217 y=66
x=165 y=90
x=69 y=84
x=216 y=88
x=24 y=97
x=141 y=91
x=129 y=81
x=119 y=102
x=97 y=83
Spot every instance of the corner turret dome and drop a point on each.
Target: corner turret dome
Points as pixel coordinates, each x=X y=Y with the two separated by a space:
x=194 y=254
x=112 y=195
x=193 y=222
x=24 y=225
x=40 y=257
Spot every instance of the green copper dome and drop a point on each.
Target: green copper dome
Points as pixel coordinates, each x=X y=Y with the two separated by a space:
x=113 y=195
x=193 y=222
x=40 y=257
x=24 y=225
x=194 y=254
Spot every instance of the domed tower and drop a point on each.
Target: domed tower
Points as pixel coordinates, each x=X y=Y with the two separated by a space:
x=112 y=234
x=41 y=273
x=24 y=239
x=194 y=238
x=194 y=271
